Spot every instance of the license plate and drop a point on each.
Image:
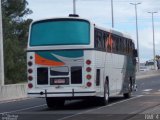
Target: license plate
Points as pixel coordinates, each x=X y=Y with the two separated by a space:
x=59 y=81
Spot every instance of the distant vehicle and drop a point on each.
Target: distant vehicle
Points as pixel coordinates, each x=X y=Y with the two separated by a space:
x=144 y=68
x=72 y=58
x=158 y=63
x=150 y=65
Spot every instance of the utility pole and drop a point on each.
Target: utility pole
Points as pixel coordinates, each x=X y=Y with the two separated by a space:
x=1 y=49
x=135 y=4
x=74 y=6
x=112 y=14
x=154 y=55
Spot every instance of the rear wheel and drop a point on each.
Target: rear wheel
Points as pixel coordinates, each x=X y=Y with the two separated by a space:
x=52 y=102
x=104 y=100
x=129 y=94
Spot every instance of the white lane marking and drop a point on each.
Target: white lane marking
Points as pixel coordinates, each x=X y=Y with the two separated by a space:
x=23 y=109
x=100 y=107
x=14 y=100
x=125 y=100
x=147 y=90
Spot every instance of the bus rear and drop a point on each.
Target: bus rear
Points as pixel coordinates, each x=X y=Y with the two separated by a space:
x=59 y=60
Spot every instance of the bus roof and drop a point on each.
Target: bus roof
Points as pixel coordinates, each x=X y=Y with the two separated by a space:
x=110 y=30
x=78 y=18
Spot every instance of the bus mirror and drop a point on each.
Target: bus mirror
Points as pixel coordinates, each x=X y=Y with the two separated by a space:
x=135 y=53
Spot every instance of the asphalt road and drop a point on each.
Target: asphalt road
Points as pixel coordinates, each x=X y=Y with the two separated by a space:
x=144 y=105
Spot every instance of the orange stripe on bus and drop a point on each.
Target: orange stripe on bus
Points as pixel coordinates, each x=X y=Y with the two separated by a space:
x=42 y=61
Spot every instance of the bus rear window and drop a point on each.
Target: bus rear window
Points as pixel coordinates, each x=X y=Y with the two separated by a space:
x=56 y=71
x=76 y=75
x=42 y=76
x=60 y=32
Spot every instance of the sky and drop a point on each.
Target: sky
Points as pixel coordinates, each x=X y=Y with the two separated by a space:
x=99 y=12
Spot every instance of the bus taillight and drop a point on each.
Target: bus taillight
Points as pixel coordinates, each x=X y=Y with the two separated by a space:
x=30 y=63
x=30 y=70
x=30 y=78
x=89 y=84
x=31 y=57
x=88 y=77
x=30 y=85
x=88 y=62
x=88 y=69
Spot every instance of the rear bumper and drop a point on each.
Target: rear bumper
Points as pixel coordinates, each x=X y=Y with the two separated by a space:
x=66 y=94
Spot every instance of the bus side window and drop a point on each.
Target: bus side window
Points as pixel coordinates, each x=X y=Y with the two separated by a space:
x=98 y=39
x=95 y=38
x=123 y=45
x=126 y=51
x=133 y=47
x=120 y=45
x=106 y=38
x=113 y=44
x=99 y=44
x=117 y=45
x=130 y=47
x=110 y=44
x=126 y=46
x=103 y=41
x=135 y=53
x=128 y=42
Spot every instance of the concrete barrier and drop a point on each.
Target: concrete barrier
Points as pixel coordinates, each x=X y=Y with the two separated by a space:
x=14 y=91
x=17 y=91
x=146 y=74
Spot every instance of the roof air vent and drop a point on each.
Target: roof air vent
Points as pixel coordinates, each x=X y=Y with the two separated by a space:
x=73 y=15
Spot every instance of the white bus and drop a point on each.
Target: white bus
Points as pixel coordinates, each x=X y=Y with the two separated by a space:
x=72 y=58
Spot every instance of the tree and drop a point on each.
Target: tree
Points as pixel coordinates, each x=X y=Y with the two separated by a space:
x=15 y=29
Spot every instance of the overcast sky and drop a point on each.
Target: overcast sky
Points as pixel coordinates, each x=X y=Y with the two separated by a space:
x=99 y=12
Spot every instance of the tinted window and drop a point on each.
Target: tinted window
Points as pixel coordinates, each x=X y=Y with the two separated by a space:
x=42 y=76
x=100 y=39
x=76 y=75
x=55 y=71
x=60 y=32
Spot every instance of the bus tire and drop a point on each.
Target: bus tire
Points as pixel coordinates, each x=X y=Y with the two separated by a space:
x=53 y=103
x=104 y=100
x=129 y=94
